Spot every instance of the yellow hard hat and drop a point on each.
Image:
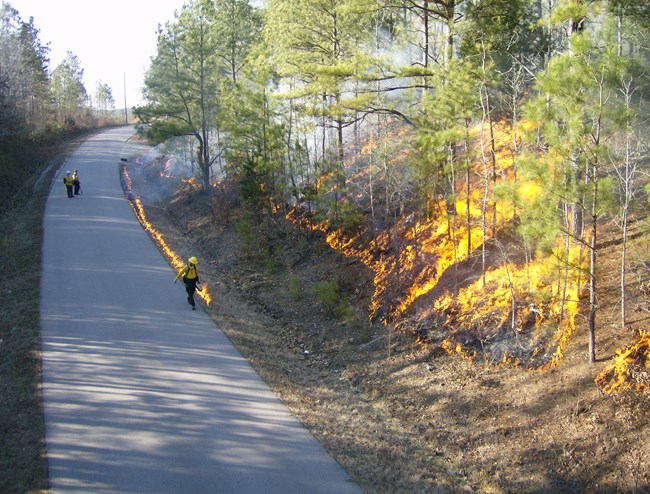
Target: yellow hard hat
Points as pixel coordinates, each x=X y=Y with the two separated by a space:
x=193 y=260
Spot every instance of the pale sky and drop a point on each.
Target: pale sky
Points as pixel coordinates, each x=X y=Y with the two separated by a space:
x=113 y=39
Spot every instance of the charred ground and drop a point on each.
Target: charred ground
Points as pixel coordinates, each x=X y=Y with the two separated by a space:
x=398 y=416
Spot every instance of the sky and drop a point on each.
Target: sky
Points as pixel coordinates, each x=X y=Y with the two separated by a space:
x=113 y=39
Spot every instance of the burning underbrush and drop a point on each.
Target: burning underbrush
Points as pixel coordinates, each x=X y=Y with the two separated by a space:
x=518 y=312
x=458 y=276
x=629 y=369
x=515 y=312
x=461 y=279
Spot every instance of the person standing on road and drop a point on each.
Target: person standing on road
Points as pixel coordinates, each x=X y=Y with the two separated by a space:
x=76 y=182
x=190 y=276
x=69 y=182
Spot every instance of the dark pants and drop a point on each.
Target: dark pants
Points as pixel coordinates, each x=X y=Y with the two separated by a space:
x=77 y=186
x=69 y=189
x=190 y=288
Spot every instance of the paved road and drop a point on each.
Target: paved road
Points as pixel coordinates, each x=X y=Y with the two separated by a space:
x=141 y=393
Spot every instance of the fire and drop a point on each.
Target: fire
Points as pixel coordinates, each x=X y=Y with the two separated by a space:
x=165 y=168
x=521 y=310
x=630 y=368
x=508 y=300
x=174 y=259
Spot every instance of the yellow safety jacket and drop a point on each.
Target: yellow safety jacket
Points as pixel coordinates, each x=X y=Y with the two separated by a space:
x=189 y=271
x=68 y=180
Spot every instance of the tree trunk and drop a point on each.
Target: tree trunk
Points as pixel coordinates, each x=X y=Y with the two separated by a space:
x=468 y=191
x=592 y=292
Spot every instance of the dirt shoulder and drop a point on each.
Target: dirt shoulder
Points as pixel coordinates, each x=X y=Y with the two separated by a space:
x=400 y=418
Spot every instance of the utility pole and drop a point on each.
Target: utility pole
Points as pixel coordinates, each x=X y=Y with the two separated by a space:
x=126 y=111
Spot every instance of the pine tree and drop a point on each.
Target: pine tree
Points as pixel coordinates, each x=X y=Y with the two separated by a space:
x=254 y=134
x=70 y=94
x=25 y=94
x=317 y=46
x=103 y=99
x=181 y=83
x=575 y=111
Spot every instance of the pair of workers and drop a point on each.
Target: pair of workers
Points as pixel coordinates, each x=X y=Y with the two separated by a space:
x=72 y=183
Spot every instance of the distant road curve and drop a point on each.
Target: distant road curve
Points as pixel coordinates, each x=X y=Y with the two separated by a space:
x=142 y=394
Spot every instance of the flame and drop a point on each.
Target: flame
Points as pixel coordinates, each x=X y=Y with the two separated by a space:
x=174 y=259
x=164 y=172
x=488 y=304
x=408 y=261
x=629 y=368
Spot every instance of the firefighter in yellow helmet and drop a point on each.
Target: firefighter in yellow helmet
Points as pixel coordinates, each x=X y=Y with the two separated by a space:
x=190 y=275
x=67 y=180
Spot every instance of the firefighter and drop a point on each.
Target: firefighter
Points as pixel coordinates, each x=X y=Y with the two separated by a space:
x=190 y=275
x=76 y=182
x=67 y=180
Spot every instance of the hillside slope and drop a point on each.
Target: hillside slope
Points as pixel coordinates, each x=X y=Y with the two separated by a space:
x=401 y=417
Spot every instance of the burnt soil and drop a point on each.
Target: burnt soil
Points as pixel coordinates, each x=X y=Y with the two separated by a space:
x=399 y=417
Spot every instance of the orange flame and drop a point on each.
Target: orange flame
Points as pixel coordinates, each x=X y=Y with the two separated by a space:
x=629 y=369
x=174 y=259
x=409 y=260
x=165 y=168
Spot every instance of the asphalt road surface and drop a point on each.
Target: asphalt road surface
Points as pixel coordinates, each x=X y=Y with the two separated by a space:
x=142 y=394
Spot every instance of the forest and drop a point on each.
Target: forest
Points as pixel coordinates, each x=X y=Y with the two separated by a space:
x=471 y=154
